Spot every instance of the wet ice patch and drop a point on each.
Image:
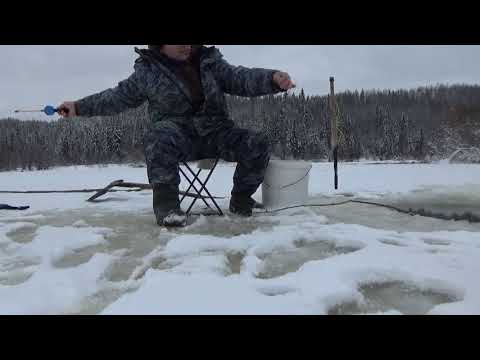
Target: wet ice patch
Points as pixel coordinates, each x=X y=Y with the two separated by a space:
x=21 y=232
x=15 y=277
x=234 y=261
x=227 y=226
x=136 y=231
x=214 y=263
x=53 y=291
x=281 y=262
x=96 y=302
x=446 y=238
x=37 y=277
x=122 y=268
x=450 y=202
x=395 y=296
x=20 y=217
x=53 y=244
x=433 y=241
x=276 y=290
x=392 y=242
x=15 y=270
x=18 y=262
x=379 y=217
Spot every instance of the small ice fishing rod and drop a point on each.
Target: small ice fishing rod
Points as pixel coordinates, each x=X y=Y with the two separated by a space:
x=47 y=110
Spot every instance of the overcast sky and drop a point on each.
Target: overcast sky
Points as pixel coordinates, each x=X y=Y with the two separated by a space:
x=34 y=76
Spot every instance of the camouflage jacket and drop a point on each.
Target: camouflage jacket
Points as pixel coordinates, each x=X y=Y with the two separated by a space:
x=168 y=97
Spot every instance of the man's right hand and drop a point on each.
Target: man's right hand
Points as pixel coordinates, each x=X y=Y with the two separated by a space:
x=283 y=80
x=67 y=109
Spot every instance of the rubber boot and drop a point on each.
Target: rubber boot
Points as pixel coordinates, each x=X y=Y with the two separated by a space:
x=242 y=204
x=166 y=206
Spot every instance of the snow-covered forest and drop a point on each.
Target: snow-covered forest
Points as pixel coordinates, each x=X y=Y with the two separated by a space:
x=424 y=124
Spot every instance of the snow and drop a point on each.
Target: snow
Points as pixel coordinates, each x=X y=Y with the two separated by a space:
x=50 y=287
x=67 y=256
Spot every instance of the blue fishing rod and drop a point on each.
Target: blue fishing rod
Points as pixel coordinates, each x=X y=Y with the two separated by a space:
x=48 y=110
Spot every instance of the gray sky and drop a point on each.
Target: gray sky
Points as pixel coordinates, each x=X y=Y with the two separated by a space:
x=34 y=76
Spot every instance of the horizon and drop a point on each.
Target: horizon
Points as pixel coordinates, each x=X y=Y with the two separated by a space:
x=295 y=92
x=290 y=93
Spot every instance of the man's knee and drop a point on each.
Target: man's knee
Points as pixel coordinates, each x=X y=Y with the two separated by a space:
x=165 y=146
x=263 y=142
x=166 y=143
x=259 y=145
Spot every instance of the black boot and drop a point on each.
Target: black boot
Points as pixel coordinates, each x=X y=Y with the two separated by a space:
x=242 y=204
x=166 y=206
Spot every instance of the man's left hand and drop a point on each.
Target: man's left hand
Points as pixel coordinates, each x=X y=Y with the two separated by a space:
x=283 y=81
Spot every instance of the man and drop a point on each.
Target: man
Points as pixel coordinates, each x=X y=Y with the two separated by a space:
x=185 y=86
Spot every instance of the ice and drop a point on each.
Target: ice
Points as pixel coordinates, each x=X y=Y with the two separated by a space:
x=53 y=291
x=442 y=200
x=67 y=256
x=397 y=297
x=50 y=273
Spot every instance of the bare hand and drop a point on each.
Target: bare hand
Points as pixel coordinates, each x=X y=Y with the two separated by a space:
x=67 y=109
x=283 y=81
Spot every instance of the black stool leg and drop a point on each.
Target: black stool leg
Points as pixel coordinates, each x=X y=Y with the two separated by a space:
x=204 y=184
x=194 y=187
x=191 y=185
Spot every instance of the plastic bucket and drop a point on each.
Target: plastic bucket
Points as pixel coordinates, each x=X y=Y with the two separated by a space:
x=286 y=183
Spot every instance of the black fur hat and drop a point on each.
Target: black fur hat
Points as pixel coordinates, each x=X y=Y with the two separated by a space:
x=159 y=47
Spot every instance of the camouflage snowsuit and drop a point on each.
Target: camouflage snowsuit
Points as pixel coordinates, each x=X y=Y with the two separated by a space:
x=177 y=133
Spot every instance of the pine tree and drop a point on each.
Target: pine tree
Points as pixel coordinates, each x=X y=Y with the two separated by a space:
x=283 y=127
x=403 y=137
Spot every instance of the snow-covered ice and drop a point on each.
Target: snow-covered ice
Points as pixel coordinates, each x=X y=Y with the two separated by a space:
x=67 y=256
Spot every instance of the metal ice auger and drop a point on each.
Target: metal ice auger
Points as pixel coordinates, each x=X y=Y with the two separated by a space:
x=47 y=110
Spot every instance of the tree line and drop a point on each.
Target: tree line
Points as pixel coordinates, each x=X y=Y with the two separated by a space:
x=424 y=124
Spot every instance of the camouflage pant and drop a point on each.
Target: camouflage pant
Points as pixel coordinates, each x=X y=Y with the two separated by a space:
x=167 y=144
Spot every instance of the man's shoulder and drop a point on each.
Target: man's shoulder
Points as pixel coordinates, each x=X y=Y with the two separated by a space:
x=143 y=64
x=211 y=53
x=143 y=57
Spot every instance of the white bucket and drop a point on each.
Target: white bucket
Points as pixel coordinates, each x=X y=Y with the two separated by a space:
x=286 y=183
